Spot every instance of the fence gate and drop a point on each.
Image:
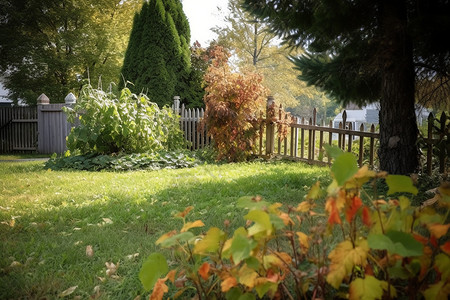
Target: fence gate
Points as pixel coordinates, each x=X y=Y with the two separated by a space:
x=18 y=129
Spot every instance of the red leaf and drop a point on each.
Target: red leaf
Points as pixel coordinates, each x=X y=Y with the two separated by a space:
x=332 y=209
x=352 y=209
x=204 y=271
x=366 y=216
x=446 y=247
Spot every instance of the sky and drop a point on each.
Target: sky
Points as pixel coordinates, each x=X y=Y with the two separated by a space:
x=203 y=15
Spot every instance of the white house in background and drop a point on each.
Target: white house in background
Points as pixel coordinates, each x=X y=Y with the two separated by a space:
x=4 y=100
x=368 y=115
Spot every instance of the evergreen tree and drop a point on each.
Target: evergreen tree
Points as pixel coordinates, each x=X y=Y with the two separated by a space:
x=157 y=60
x=364 y=51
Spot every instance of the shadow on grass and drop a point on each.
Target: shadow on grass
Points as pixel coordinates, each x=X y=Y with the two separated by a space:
x=50 y=243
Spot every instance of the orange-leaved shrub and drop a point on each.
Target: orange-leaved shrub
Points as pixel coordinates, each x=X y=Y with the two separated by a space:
x=233 y=103
x=339 y=242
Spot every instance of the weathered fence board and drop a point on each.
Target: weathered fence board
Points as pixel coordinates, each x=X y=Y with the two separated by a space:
x=53 y=128
x=18 y=129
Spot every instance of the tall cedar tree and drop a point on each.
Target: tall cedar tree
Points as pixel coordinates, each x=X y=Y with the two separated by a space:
x=364 y=51
x=157 y=60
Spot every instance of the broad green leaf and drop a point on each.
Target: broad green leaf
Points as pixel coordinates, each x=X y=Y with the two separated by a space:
x=344 y=167
x=368 y=288
x=252 y=203
x=247 y=296
x=398 y=271
x=211 y=241
x=276 y=221
x=400 y=184
x=263 y=286
x=396 y=242
x=241 y=247
x=153 y=268
x=233 y=294
x=333 y=151
x=262 y=222
x=178 y=238
x=253 y=262
x=314 y=192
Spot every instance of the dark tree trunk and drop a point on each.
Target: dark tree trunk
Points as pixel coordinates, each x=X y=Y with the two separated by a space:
x=398 y=150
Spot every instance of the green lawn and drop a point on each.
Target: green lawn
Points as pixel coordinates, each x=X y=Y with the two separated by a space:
x=48 y=218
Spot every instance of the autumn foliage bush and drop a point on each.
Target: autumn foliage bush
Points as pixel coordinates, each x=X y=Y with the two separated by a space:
x=357 y=245
x=233 y=103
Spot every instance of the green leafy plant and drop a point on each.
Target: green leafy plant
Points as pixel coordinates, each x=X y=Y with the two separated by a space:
x=124 y=162
x=359 y=245
x=233 y=104
x=128 y=123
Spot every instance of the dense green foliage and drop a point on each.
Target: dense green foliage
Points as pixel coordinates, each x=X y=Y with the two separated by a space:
x=124 y=162
x=127 y=123
x=365 y=51
x=157 y=60
x=362 y=246
x=47 y=46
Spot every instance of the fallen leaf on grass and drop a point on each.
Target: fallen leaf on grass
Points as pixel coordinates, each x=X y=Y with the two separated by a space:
x=102 y=279
x=131 y=256
x=15 y=264
x=97 y=293
x=107 y=221
x=68 y=291
x=89 y=251
x=111 y=268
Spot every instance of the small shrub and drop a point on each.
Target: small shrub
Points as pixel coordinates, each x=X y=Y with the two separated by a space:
x=233 y=104
x=128 y=123
x=356 y=246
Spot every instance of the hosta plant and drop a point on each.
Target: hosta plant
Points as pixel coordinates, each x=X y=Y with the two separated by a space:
x=341 y=241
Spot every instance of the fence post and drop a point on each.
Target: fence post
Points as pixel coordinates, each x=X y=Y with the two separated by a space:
x=430 y=144
x=42 y=100
x=442 y=131
x=270 y=127
x=176 y=105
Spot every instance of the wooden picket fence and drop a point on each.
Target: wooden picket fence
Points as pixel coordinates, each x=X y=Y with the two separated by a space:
x=305 y=139
x=191 y=125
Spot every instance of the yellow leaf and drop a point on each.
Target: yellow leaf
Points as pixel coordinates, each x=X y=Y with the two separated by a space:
x=303 y=207
x=171 y=275
x=211 y=241
x=343 y=258
x=368 y=288
x=438 y=230
x=304 y=241
x=247 y=276
x=190 y=225
x=438 y=291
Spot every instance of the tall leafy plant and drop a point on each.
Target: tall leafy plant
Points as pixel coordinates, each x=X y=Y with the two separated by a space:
x=127 y=123
x=233 y=103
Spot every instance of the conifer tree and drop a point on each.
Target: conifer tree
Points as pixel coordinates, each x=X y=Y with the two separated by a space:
x=157 y=60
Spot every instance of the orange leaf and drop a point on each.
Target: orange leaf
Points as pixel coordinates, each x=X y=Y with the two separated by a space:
x=352 y=209
x=165 y=237
x=446 y=247
x=159 y=290
x=228 y=283
x=420 y=239
x=366 y=216
x=333 y=211
x=438 y=230
x=190 y=225
x=204 y=270
x=171 y=275
x=286 y=219
x=185 y=212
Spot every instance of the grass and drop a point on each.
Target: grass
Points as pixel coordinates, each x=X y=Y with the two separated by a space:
x=48 y=218
x=23 y=156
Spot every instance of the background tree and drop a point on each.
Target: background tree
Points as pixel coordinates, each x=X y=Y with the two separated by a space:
x=256 y=48
x=45 y=45
x=157 y=60
x=366 y=51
